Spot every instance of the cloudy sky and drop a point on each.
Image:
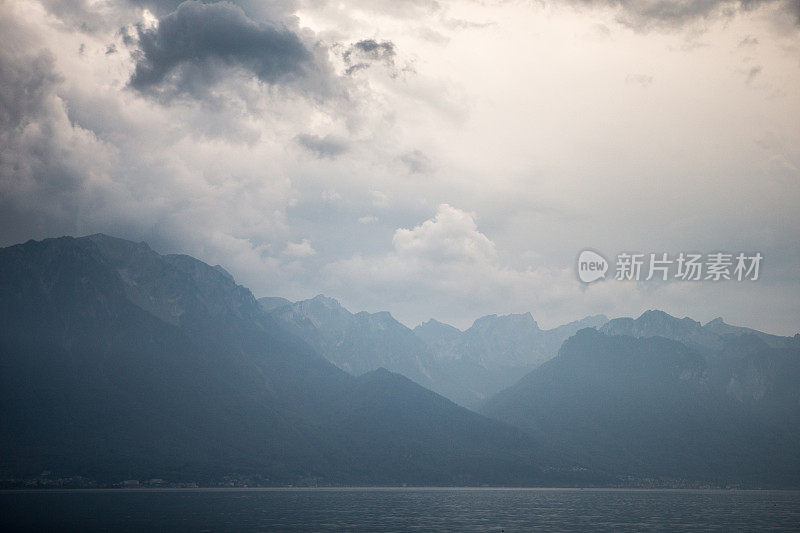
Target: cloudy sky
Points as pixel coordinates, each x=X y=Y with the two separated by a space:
x=430 y=158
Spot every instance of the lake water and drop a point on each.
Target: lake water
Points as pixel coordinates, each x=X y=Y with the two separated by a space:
x=399 y=510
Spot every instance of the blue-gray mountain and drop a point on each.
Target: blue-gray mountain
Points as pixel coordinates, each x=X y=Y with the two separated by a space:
x=666 y=398
x=357 y=343
x=465 y=366
x=707 y=338
x=495 y=352
x=117 y=363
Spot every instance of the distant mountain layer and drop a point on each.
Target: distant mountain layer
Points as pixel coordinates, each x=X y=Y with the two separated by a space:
x=120 y=363
x=360 y=342
x=465 y=366
x=511 y=341
x=648 y=406
x=708 y=337
x=495 y=352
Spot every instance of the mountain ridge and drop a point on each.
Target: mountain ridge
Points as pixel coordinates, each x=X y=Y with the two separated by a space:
x=465 y=366
x=120 y=363
x=655 y=407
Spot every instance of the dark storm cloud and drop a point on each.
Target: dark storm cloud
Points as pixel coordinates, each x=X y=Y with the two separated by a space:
x=26 y=84
x=363 y=53
x=792 y=8
x=416 y=161
x=77 y=14
x=36 y=175
x=327 y=146
x=372 y=49
x=645 y=14
x=191 y=44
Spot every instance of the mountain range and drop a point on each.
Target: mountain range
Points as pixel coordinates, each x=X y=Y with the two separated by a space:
x=465 y=366
x=117 y=362
x=643 y=400
x=120 y=363
x=708 y=337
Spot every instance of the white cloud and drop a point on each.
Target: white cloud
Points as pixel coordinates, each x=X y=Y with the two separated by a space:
x=446 y=262
x=451 y=235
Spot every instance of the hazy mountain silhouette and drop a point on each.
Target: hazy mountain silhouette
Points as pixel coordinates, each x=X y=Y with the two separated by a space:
x=495 y=352
x=705 y=337
x=465 y=366
x=118 y=362
x=272 y=302
x=652 y=407
x=358 y=342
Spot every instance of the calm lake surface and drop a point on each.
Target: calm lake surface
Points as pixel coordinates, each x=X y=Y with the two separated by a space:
x=419 y=509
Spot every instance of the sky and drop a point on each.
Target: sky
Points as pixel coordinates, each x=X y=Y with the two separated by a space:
x=444 y=159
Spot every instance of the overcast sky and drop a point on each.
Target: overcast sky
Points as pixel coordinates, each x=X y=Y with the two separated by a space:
x=429 y=158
